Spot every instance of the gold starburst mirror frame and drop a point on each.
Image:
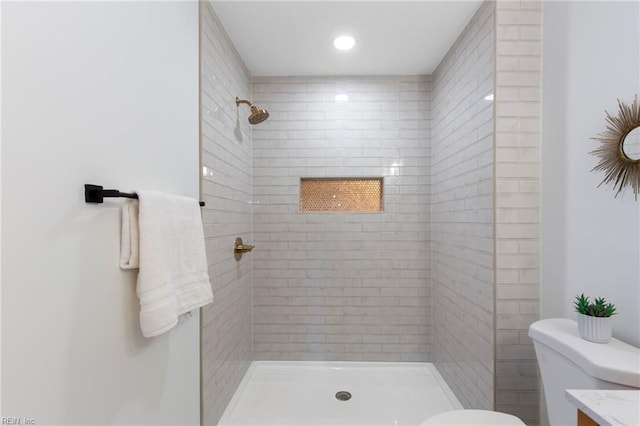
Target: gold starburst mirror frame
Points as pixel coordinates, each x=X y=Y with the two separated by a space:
x=619 y=153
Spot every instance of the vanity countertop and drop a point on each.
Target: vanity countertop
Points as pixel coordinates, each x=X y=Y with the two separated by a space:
x=608 y=407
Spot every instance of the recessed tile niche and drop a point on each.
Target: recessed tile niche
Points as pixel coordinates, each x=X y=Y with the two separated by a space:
x=345 y=195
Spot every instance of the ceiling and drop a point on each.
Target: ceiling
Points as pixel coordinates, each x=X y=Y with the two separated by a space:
x=279 y=38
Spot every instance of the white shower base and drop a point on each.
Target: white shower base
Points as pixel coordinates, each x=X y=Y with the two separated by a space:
x=303 y=393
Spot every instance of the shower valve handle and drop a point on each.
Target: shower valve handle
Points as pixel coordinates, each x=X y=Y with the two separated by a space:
x=243 y=248
x=239 y=248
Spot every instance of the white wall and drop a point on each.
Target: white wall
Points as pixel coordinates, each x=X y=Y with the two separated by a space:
x=102 y=93
x=0 y=212
x=590 y=240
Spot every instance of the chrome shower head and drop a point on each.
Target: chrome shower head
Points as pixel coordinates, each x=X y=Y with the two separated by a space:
x=258 y=115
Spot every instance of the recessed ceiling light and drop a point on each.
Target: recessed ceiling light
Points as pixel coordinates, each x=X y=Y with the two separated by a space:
x=489 y=97
x=342 y=97
x=344 y=42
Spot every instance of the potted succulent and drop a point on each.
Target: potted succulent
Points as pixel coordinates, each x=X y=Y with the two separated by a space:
x=594 y=318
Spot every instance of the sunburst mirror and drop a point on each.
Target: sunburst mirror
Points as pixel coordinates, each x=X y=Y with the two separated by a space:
x=619 y=153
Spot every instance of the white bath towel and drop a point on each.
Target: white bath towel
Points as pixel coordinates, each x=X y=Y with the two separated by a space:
x=173 y=277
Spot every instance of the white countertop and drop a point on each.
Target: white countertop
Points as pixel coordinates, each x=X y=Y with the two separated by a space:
x=608 y=407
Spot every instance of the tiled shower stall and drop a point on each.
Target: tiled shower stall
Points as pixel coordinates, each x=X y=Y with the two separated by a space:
x=447 y=273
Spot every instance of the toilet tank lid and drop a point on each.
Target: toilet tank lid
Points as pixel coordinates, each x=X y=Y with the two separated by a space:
x=615 y=362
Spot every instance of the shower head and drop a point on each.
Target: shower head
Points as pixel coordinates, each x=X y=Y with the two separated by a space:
x=258 y=115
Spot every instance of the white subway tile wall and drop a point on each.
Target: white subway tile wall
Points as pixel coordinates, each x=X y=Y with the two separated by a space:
x=517 y=170
x=462 y=211
x=342 y=286
x=226 y=189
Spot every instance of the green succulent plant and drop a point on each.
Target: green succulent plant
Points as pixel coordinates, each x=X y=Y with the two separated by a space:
x=598 y=308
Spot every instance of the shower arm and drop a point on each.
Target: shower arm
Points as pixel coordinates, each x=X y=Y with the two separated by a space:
x=242 y=101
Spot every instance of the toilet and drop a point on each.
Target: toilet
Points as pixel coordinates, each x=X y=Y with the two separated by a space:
x=569 y=362
x=473 y=417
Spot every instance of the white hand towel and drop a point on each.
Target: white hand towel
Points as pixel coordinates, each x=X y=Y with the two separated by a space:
x=173 y=277
x=129 y=244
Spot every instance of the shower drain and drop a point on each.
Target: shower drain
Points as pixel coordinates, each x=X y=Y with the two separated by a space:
x=343 y=395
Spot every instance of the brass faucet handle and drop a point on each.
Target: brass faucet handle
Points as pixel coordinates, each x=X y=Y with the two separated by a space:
x=239 y=248
x=243 y=248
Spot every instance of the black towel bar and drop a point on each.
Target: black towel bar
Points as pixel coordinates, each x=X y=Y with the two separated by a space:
x=97 y=194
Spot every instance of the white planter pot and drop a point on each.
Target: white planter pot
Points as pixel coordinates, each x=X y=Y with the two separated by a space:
x=594 y=329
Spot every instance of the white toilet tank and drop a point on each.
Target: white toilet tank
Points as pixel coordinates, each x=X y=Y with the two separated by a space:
x=569 y=362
